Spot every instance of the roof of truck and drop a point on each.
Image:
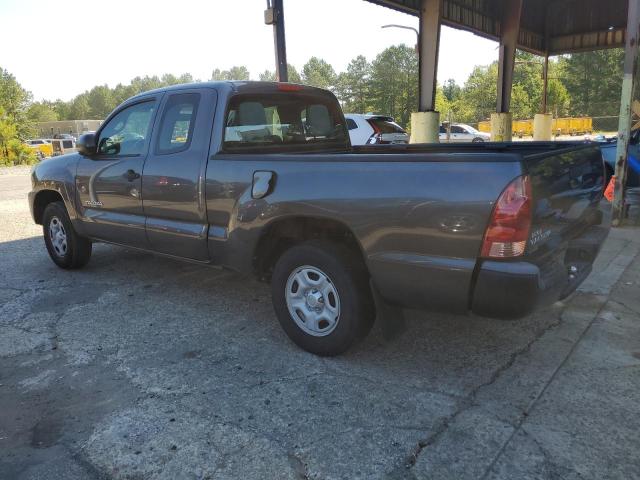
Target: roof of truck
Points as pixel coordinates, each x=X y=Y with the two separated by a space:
x=247 y=86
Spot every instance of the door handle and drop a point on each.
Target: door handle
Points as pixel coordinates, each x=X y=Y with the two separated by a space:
x=131 y=175
x=263 y=183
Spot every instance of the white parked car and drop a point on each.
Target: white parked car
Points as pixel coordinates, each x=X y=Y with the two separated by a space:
x=463 y=133
x=374 y=130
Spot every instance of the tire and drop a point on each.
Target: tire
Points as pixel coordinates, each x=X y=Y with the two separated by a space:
x=344 y=294
x=66 y=248
x=478 y=140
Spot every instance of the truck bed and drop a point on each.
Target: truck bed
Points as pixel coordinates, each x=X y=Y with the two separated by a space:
x=418 y=212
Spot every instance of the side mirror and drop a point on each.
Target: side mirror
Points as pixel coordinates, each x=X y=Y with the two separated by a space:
x=86 y=144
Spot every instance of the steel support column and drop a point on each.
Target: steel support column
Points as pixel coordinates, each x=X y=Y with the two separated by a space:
x=510 y=29
x=428 y=47
x=274 y=15
x=629 y=93
x=545 y=84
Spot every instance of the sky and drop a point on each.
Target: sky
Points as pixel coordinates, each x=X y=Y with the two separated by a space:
x=60 y=49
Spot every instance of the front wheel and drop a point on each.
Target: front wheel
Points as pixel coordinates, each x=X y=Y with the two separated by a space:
x=66 y=248
x=321 y=296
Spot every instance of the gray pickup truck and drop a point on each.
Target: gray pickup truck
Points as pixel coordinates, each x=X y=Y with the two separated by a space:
x=261 y=178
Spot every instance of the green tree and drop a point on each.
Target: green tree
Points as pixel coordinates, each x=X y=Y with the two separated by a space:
x=14 y=101
x=352 y=87
x=318 y=73
x=8 y=132
x=451 y=90
x=270 y=75
x=478 y=97
x=101 y=102
x=593 y=81
x=61 y=108
x=79 y=108
x=234 y=73
x=42 y=112
x=394 y=83
x=12 y=150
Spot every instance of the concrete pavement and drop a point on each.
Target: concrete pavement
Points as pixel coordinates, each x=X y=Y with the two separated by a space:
x=143 y=367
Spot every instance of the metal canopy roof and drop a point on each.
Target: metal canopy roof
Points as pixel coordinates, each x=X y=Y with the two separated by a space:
x=546 y=26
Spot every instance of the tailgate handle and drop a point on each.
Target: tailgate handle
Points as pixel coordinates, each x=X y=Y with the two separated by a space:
x=263 y=183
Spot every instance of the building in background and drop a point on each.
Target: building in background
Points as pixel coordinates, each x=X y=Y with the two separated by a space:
x=73 y=127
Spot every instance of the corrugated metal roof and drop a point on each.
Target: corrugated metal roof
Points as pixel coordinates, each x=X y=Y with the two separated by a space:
x=555 y=26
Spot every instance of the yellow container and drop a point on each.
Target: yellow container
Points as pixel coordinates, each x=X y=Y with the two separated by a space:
x=522 y=128
x=485 y=126
x=573 y=126
x=45 y=149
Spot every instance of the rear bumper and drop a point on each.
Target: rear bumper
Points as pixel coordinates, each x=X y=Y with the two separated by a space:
x=515 y=289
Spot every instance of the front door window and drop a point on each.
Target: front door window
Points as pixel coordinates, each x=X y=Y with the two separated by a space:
x=127 y=132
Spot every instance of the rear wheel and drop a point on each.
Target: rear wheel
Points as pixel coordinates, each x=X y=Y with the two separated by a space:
x=321 y=296
x=66 y=248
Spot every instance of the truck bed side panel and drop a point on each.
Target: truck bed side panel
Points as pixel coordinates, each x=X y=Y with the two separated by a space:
x=414 y=219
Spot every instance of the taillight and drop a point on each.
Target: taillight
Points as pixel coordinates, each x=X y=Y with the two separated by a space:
x=375 y=138
x=508 y=230
x=377 y=134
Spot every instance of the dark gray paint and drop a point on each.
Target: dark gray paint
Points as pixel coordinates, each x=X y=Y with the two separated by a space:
x=418 y=212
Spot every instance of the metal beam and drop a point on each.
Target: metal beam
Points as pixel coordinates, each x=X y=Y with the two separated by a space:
x=629 y=93
x=545 y=83
x=274 y=15
x=510 y=31
x=428 y=47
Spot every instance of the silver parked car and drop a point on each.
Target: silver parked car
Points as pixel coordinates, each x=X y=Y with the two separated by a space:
x=461 y=132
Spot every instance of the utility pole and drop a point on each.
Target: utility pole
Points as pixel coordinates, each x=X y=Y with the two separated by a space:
x=274 y=15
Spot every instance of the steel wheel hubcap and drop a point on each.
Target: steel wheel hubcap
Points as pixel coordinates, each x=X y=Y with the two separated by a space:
x=58 y=237
x=313 y=301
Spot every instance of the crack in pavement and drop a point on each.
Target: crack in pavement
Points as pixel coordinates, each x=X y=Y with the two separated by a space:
x=525 y=413
x=469 y=401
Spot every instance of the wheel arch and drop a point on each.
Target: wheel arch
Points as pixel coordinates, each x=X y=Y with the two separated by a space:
x=41 y=200
x=283 y=233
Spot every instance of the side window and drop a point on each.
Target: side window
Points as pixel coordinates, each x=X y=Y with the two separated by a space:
x=351 y=124
x=457 y=129
x=178 y=120
x=126 y=133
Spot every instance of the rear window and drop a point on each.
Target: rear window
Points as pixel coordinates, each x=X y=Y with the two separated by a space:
x=283 y=122
x=386 y=126
x=176 y=127
x=67 y=144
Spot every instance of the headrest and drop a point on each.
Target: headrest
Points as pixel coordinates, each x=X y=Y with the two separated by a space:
x=319 y=121
x=251 y=113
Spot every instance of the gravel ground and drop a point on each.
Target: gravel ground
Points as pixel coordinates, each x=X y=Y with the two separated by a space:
x=140 y=367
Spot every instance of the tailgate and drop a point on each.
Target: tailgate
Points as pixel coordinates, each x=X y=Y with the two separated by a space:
x=567 y=221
